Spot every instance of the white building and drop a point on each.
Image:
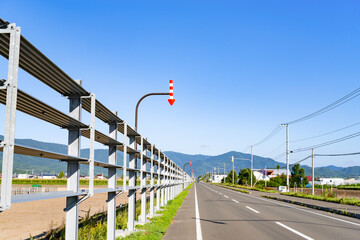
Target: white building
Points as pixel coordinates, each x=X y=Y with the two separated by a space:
x=267 y=174
x=351 y=181
x=23 y=176
x=217 y=178
x=332 y=181
x=48 y=176
x=260 y=176
x=100 y=176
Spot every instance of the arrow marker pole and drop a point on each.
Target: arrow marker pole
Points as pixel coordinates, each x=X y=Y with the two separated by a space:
x=171 y=99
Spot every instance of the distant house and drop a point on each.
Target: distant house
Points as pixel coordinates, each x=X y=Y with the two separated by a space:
x=351 y=181
x=266 y=175
x=48 y=176
x=217 y=178
x=100 y=176
x=23 y=176
x=332 y=181
x=276 y=172
x=261 y=175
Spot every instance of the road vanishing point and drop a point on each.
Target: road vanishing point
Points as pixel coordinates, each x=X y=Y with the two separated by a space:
x=210 y=212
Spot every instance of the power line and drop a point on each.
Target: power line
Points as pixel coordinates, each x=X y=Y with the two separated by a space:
x=274 y=149
x=324 y=134
x=328 y=143
x=327 y=155
x=279 y=156
x=337 y=154
x=309 y=138
x=272 y=134
x=329 y=107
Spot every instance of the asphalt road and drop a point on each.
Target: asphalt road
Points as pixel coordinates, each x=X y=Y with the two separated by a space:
x=226 y=214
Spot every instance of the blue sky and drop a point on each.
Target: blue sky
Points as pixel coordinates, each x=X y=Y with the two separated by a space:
x=239 y=68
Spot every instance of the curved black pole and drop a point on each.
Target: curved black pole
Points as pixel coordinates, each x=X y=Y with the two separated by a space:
x=138 y=103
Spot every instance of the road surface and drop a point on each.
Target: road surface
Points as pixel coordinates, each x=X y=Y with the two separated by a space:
x=227 y=214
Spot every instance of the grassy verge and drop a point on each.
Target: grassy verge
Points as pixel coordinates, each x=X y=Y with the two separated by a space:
x=95 y=227
x=227 y=185
x=156 y=229
x=348 y=187
x=347 y=201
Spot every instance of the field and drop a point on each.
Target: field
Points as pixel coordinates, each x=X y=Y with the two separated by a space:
x=36 y=218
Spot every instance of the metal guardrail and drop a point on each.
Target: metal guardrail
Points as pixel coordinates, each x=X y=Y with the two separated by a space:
x=170 y=178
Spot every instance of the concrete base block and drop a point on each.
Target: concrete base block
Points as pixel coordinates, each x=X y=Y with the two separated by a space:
x=123 y=233
x=141 y=222
x=155 y=215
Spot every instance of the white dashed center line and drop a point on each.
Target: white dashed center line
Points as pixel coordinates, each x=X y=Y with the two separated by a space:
x=294 y=231
x=252 y=209
x=235 y=200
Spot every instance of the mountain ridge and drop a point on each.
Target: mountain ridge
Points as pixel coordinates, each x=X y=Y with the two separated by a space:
x=200 y=163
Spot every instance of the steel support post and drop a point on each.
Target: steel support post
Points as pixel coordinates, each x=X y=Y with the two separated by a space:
x=143 y=180
x=132 y=183
x=152 y=193
x=111 y=211
x=73 y=171
x=158 y=183
x=170 y=181
x=173 y=181
x=166 y=180
x=163 y=183
x=92 y=144
x=125 y=155
x=10 y=115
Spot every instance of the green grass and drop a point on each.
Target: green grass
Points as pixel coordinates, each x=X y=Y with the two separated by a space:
x=348 y=187
x=326 y=197
x=95 y=227
x=156 y=229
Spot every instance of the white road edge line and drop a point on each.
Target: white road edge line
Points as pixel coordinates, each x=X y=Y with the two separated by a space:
x=235 y=200
x=252 y=209
x=294 y=231
x=288 y=205
x=197 y=216
x=226 y=196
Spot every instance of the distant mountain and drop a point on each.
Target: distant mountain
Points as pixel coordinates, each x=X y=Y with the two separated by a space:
x=181 y=158
x=201 y=164
x=334 y=168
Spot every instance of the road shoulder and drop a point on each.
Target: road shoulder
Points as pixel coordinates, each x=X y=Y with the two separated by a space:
x=183 y=225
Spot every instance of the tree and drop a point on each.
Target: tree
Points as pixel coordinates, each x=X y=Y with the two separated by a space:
x=229 y=177
x=61 y=174
x=297 y=174
x=245 y=176
x=277 y=181
x=278 y=168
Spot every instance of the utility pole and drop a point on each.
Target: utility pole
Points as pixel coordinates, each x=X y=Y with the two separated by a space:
x=313 y=173
x=232 y=159
x=224 y=169
x=287 y=157
x=251 y=172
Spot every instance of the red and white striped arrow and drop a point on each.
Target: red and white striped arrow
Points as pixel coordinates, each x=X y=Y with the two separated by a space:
x=171 y=99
